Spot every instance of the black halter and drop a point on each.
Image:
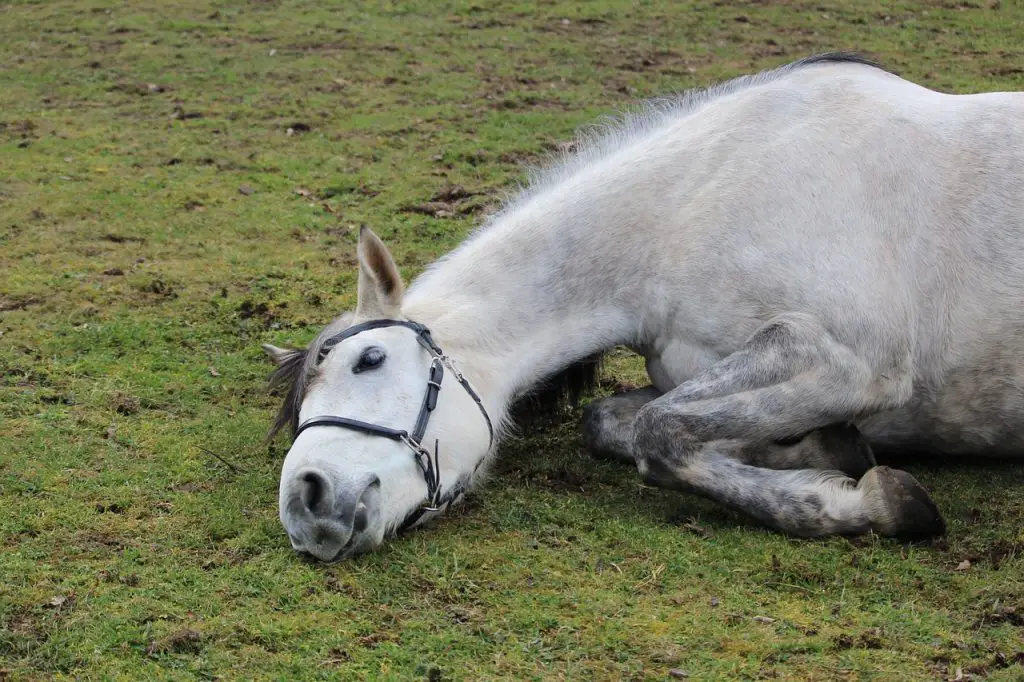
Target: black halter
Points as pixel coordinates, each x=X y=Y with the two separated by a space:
x=427 y=463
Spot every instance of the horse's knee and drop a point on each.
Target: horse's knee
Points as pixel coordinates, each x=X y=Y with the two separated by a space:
x=660 y=446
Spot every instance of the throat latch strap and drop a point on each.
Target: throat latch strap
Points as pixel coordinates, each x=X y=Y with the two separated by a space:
x=429 y=398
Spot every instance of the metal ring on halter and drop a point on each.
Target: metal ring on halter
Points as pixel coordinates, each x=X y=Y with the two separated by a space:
x=430 y=466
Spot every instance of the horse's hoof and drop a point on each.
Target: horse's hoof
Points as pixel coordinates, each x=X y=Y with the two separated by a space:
x=900 y=506
x=850 y=449
x=603 y=435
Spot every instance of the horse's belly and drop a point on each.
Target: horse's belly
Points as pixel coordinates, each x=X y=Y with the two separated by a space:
x=978 y=411
x=678 y=362
x=974 y=413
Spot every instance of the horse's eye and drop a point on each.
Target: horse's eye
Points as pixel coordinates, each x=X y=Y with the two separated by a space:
x=371 y=358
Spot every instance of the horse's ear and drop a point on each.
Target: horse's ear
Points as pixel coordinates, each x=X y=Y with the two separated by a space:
x=281 y=355
x=380 y=285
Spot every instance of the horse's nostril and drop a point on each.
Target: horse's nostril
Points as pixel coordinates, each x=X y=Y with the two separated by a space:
x=313 y=489
x=362 y=518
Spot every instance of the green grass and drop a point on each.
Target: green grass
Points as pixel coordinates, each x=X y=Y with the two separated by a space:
x=137 y=282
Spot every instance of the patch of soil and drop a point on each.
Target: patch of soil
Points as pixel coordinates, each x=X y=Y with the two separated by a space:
x=121 y=239
x=654 y=60
x=687 y=521
x=463 y=614
x=24 y=129
x=564 y=480
x=192 y=488
x=248 y=310
x=329 y=192
x=265 y=315
x=582 y=26
x=1000 y=550
x=24 y=624
x=1004 y=614
x=1001 y=660
x=102 y=539
x=125 y=404
x=338 y=656
x=995 y=554
x=616 y=385
x=138 y=88
x=372 y=640
x=179 y=114
x=161 y=288
x=528 y=101
x=57 y=399
x=448 y=202
x=186 y=641
x=7 y=304
x=521 y=158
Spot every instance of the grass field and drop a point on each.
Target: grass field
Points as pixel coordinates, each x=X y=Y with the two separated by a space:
x=181 y=181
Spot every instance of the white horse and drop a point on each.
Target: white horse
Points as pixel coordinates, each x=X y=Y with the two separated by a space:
x=802 y=256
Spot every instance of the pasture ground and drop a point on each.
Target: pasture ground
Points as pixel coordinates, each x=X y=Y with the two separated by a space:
x=158 y=221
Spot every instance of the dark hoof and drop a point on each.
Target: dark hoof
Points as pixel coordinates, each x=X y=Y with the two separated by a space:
x=592 y=431
x=850 y=448
x=599 y=435
x=901 y=507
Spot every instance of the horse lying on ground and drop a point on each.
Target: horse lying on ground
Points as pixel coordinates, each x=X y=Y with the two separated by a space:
x=813 y=261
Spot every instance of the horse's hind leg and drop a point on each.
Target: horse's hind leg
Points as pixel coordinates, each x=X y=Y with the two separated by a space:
x=793 y=377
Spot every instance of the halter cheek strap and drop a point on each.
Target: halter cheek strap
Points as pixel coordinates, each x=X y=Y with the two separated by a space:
x=427 y=462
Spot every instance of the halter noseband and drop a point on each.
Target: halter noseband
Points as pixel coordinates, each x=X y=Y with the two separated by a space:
x=427 y=463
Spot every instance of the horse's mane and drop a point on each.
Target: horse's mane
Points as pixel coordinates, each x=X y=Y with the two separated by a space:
x=611 y=133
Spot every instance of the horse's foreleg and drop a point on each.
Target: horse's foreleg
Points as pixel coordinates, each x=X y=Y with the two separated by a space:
x=689 y=438
x=608 y=434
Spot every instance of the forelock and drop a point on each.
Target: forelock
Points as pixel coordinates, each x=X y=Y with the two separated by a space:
x=296 y=372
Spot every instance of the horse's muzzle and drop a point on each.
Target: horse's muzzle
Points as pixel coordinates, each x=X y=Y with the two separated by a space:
x=327 y=518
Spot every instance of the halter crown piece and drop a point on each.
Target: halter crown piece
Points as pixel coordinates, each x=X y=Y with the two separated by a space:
x=427 y=463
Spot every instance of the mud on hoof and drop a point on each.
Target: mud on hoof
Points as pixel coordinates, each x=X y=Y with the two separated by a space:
x=900 y=506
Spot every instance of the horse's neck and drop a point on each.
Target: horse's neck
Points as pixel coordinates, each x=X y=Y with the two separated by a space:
x=529 y=295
